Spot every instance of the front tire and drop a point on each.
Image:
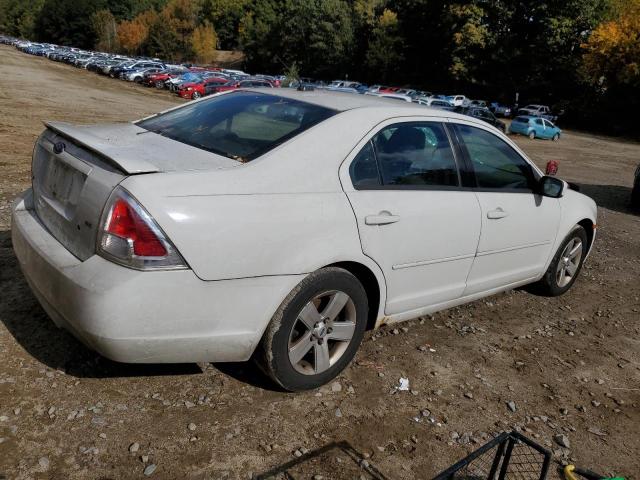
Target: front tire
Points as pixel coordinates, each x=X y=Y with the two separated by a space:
x=556 y=137
x=316 y=331
x=195 y=95
x=635 y=195
x=565 y=266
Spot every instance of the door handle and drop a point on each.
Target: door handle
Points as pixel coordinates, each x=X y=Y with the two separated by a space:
x=383 y=218
x=497 y=213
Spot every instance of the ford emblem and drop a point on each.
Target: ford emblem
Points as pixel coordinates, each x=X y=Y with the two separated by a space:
x=58 y=147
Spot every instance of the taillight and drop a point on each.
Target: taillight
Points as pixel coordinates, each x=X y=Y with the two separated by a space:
x=131 y=237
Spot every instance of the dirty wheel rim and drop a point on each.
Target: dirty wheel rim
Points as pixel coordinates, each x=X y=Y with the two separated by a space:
x=569 y=262
x=322 y=332
x=195 y=95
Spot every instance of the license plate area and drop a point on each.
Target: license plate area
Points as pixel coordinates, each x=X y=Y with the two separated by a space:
x=60 y=186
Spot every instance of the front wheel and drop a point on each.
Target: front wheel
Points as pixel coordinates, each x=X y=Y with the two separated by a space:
x=635 y=195
x=565 y=266
x=195 y=95
x=532 y=135
x=556 y=137
x=316 y=331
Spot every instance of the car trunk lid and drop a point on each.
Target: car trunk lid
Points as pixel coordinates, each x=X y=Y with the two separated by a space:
x=75 y=169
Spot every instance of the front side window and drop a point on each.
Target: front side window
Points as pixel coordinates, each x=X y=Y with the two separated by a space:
x=408 y=154
x=495 y=163
x=238 y=125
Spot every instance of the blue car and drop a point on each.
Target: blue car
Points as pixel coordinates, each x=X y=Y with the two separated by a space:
x=535 y=127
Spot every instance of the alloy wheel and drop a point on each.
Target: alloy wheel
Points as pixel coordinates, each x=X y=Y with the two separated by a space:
x=569 y=262
x=322 y=332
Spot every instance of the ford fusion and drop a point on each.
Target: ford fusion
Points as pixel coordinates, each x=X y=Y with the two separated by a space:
x=281 y=226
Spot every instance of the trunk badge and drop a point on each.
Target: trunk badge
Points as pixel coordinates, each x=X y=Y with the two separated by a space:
x=59 y=147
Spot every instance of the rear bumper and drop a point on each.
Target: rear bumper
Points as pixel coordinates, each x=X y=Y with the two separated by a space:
x=143 y=317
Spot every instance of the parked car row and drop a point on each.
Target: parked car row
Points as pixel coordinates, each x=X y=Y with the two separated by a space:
x=187 y=81
x=192 y=82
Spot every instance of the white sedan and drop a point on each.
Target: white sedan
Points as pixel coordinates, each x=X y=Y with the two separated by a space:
x=280 y=226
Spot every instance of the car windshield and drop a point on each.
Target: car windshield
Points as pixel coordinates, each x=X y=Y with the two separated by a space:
x=239 y=125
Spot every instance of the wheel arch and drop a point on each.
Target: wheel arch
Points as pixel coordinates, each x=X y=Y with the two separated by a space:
x=371 y=285
x=588 y=225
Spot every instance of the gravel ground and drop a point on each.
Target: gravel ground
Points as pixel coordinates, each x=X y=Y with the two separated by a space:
x=564 y=371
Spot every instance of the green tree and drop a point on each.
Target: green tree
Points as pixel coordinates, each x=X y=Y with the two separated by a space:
x=385 y=46
x=316 y=34
x=17 y=17
x=68 y=22
x=225 y=15
x=105 y=27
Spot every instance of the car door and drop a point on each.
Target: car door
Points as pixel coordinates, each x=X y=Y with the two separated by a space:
x=550 y=128
x=519 y=226
x=539 y=128
x=414 y=219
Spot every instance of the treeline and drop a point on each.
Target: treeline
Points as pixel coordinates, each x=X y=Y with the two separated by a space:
x=582 y=56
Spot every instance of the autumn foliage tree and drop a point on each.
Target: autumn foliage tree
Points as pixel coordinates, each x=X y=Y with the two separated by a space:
x=203 y=43
x=133 y=33
x=612 y=53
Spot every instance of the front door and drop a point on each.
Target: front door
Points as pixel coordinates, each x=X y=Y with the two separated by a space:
x=414 y=219
x=519 y=226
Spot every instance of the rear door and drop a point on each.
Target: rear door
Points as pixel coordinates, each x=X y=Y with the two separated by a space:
x=519 y=226
x=414 y=219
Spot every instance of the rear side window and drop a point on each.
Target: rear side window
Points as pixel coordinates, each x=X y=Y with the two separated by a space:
x=539 y=121
x=495 y=163
x=416 y=154
x=364 y=169
x=238 y=125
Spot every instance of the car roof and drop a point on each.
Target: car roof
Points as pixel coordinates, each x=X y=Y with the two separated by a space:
x=343 y=101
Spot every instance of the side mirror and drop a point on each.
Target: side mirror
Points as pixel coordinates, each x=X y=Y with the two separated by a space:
x=551 y=187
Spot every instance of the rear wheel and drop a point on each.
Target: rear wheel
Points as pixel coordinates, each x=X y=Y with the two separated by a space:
x=532 y=135
x=316 y=331
x=565 y=266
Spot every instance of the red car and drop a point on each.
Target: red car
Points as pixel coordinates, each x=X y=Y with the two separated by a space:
x=200 y=89
x=388 y=89
x=157 y=79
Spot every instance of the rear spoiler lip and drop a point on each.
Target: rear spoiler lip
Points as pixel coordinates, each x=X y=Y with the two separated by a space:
x=76 y=135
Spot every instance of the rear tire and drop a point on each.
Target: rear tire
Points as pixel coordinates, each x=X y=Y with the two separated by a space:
x=532 y=135
x=316 y=331
x=565 y=265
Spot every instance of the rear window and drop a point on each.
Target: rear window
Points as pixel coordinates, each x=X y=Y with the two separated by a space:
x=238 y=125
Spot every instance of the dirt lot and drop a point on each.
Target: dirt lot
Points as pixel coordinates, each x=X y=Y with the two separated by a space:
x=571 y=365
